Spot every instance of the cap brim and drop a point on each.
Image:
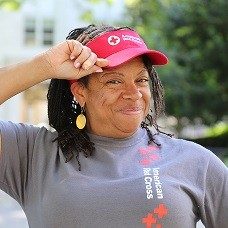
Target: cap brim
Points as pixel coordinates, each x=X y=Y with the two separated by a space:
x=118 y=58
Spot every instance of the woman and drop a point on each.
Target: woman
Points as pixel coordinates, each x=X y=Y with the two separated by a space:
x=103 y=166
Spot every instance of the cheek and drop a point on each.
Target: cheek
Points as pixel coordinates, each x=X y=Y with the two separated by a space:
x=147 y=96
x=111 y=96
x=147 y=99
x=102 y=98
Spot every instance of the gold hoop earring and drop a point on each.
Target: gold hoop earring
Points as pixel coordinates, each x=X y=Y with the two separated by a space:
x=81 y=119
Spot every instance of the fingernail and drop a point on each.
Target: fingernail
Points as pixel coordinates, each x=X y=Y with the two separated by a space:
x=77 y=64
x=99 y=71
x=85 y=67
x=72 y=57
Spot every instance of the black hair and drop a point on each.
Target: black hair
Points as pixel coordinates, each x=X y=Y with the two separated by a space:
x=63 y=109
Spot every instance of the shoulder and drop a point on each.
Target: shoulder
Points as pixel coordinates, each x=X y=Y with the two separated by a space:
x=23 y=131
x=186 y=148
x=191 y=156
x=46 y=133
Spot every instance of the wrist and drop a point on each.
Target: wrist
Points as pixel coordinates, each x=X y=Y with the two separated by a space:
x=42 y=63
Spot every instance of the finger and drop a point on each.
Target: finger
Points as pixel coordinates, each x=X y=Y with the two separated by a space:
x=93 y=69
x=85 y=54
x=90 y=61
x=75 y=48
x=102 y=62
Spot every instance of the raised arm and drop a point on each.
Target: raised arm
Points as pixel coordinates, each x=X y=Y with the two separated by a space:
x=67 y=60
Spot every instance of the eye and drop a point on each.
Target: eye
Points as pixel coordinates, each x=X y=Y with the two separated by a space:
x=143 y=80
x=113 y=81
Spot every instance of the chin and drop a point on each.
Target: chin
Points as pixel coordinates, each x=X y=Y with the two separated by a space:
x=132 y=120
x=127 y=123
x=130 y=127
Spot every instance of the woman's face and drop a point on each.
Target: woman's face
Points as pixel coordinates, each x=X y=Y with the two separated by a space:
x=116 y=100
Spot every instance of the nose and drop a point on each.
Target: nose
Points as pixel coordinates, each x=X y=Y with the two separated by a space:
x=132 y=92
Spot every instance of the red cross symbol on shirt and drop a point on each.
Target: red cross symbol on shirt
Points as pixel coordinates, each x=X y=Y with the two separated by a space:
x=147 y=150
x=161 y=210
x=149 y=220
x=148 y=155
x=152 y=218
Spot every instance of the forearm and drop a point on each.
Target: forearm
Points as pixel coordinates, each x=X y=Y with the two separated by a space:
x=19 y=77
x=56 y=62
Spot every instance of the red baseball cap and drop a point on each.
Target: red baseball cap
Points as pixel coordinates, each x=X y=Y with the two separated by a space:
x=120 y=46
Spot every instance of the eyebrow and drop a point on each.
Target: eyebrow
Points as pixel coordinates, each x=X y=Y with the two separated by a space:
x=111 y=74
x=144 y=69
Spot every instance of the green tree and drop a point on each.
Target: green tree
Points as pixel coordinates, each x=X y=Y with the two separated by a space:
x=10 y=4
x=87 y=14
x=194 y=35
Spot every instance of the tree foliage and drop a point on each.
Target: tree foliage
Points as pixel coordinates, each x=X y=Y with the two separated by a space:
x=194 y=35
x=87 y=13
x=10 y=4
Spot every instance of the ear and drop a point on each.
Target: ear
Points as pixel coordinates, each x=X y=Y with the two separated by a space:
x=78 y=90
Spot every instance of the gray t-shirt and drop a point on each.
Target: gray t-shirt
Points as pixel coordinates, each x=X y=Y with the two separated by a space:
x=125 y=184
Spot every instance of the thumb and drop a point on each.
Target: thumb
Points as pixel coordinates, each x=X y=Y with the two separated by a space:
x=102 y=62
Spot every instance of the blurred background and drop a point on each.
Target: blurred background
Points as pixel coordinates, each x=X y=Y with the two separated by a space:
x=193 y=33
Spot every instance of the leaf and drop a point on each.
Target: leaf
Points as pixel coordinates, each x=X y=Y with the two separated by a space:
x=10 y=4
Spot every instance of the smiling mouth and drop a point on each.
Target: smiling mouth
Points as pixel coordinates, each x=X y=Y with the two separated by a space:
x=131 y=111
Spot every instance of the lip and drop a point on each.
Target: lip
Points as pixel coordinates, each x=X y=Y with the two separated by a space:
x=131 y=110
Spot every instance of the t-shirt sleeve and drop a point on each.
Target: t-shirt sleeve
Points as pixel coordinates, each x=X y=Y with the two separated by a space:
x=15 y=159
x=216 y=194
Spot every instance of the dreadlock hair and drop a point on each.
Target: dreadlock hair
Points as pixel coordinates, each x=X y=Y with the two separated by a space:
x=63 y=109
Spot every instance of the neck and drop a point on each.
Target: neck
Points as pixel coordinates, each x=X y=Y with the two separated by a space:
x=111 y=133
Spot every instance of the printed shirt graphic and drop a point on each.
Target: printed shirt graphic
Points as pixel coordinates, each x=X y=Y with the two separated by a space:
x=152 y=181
x=125 y=184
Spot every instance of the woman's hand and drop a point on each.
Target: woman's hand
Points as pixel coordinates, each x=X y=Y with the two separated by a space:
x=71 y=60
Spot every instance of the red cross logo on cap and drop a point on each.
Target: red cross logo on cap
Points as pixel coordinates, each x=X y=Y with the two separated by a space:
x=113 y=40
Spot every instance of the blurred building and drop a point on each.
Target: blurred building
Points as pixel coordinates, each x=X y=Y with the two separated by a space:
x=36 y=26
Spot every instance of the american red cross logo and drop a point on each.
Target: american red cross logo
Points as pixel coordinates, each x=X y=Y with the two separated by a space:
x=113 y=40
x=151 y=220
x=148 y=149
x=161 y=211
x=148 y=155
